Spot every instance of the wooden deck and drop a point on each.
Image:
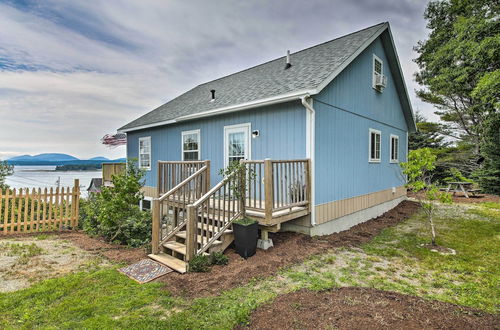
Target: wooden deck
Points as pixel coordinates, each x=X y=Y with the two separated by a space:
x=279 y=214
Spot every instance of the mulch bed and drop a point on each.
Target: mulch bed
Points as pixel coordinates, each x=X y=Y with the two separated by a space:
x=289 y=249
x=365 y=308
x=460 y=198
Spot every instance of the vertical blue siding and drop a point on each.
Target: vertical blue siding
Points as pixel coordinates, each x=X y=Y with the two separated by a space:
x=282 y=136
x=342 y=169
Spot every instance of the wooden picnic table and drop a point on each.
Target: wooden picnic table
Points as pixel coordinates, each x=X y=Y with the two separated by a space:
x=463 y=187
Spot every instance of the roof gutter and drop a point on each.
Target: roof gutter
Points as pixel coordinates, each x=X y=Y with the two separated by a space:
x=310 y=147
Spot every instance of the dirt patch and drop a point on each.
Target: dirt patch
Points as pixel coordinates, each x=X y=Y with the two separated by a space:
x=114 y=252
x=96 y=245
x=460 y=198
x=26 y=260
x=365 y=308
x=289 y=249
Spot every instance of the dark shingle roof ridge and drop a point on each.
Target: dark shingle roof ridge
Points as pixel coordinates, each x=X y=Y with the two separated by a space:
x=282 y=57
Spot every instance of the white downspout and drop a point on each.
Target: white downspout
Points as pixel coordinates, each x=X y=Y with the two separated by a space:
x=310 y=147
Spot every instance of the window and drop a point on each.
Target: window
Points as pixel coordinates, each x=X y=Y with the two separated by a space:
x=145 y=204
x=378 y=69
x=191 y=145
x=145 y=153
x=374 y=155
x=394 y=148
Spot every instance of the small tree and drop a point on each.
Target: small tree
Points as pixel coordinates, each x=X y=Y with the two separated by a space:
x=239 y=181
x=5 y=171
x=417 y=170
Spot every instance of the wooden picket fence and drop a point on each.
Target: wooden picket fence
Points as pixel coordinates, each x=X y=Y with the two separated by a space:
x=37 y=210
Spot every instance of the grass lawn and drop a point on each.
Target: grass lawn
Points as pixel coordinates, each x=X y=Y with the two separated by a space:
x=394 y=260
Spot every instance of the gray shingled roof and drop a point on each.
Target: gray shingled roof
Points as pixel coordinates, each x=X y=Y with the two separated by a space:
x=310 y=67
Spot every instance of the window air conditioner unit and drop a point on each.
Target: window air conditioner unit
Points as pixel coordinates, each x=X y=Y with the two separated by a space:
x=380 y=81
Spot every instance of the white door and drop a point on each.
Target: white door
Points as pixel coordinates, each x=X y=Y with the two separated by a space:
x=236 y=143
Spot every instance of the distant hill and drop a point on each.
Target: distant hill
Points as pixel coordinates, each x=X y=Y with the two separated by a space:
x=44 y=158
x=99 y=158
x=59 y=160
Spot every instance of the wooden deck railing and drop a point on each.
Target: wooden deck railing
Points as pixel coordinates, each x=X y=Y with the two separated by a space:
x=274 y=185
x=212 y=214
x=23 y=211
x=169 y=210
x=171 y=173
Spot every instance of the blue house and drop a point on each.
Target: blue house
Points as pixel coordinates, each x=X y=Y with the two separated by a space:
x=322 y=130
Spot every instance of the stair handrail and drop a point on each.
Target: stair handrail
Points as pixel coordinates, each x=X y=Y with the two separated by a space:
x=182 y=184
x=156 y=239
x=192 y=218
x=214 y=189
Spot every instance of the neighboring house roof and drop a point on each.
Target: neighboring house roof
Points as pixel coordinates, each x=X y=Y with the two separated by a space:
x=95 y=185
x=312 y=69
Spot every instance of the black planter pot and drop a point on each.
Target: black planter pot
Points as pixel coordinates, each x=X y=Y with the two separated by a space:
x=245 y=239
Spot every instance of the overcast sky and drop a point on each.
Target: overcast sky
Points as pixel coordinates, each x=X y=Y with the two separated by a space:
x=72 y=71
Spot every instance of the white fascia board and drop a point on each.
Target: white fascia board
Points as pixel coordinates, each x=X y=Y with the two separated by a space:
x=351 y=58
x=402 y=78
x=239 y=107
x=160 y=123
x=249 y=105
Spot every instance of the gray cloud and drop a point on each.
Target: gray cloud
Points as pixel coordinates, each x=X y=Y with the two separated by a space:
x=74 y=71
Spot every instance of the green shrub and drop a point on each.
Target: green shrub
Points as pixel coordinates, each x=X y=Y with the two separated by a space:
x=200 y=264
x=114 y=212
x=245 y=221
x=219 y=258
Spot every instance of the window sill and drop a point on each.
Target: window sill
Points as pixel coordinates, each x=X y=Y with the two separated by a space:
x=375 y=161
x=394 y=161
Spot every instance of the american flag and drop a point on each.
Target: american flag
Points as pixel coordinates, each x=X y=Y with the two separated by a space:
x=114 y=140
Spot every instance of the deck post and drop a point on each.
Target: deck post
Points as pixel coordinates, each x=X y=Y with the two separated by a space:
x=155 y=239
x=308 y=184
x=207 y=178
x=268 y=189
x=191 y=233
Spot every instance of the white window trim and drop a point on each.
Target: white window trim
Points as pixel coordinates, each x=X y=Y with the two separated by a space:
x=247 y=126
x=390 y=149
x=150 y=199
x=194 y=131
x=375 y=57
x=145 y=138
x=370 y=159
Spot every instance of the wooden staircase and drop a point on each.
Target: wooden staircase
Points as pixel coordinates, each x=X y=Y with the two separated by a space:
x=190 y=218
x=174 y=251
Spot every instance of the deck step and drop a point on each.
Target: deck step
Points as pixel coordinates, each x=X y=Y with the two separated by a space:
x=169 y=261
x=182 y=234
x=175 y=246
x=211 y=228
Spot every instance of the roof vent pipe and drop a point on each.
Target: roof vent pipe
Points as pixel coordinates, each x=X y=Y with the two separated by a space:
x=288 y=64
x=213 y=94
